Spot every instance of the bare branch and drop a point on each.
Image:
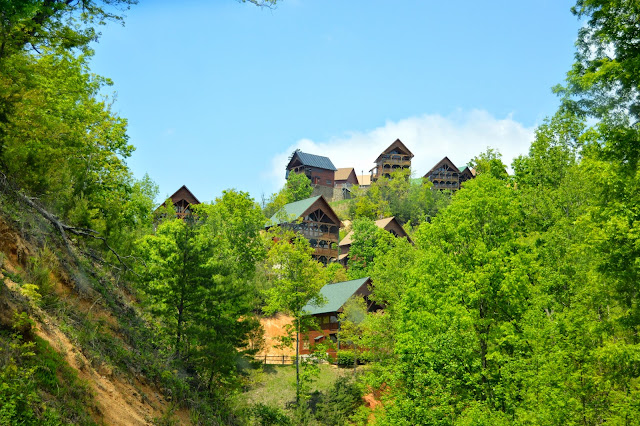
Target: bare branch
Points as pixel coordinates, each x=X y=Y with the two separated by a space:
x=62 y=228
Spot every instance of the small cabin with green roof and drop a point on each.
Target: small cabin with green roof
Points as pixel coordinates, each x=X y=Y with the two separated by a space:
x=319 y=224
x=335 y=295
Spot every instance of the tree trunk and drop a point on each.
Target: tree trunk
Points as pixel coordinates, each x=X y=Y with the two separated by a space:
x=179 y=329
x=298 y=363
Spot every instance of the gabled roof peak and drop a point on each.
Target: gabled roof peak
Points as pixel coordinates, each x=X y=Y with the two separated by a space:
x=300 y=208
x=442 y=162
x=398 y=145
x=336 y=296
x=184 y=194
x=343 y=173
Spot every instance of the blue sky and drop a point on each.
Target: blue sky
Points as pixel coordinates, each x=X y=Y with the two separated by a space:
x=218 y=93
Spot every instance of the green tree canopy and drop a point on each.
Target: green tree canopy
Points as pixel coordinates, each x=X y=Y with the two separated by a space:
x=489 y=162
x=368 y=242
x=409 y=200
x=198 y=280
x=298 y=187
x=54 y=24
x=295 y=280
x=605 y=78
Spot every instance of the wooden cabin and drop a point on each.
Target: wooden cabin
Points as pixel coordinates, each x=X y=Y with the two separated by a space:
x=396 y=157
x=389 y=224
x=445 y=175
x=320 y=170
x=345 y=179
x=466 y=174
x=336 y=295
x=320 y=225
x=345 y=176
x=182 y=199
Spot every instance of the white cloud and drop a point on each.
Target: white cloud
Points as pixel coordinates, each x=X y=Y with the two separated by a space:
x=459 y=136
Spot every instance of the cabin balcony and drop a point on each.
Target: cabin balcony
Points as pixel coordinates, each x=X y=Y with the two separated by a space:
x=444 y=175
x=445 y=185
x=402 y=163
x=395 y=157
x=320 y=236
x=326 y=252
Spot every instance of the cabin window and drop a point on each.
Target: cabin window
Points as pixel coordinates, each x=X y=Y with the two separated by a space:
x=328 y=181
x=305 y=345
x=333 y=319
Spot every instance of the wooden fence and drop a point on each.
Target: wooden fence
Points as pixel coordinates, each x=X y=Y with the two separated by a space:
x=276 y=359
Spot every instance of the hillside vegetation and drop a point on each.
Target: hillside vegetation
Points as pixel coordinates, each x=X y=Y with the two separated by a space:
x=516 y=303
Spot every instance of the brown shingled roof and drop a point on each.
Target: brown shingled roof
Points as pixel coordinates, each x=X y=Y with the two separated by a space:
x=380 y=223
x=343 y=173
x=364 y=180
x=397 y=144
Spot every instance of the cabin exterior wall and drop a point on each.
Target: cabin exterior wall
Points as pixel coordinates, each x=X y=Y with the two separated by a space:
x=317 y=176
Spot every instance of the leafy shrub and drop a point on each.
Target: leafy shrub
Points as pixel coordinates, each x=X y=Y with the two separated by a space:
x=339 y=403
x=267 y=415
x=37 y=386
x=345 y=358
x=18 y=393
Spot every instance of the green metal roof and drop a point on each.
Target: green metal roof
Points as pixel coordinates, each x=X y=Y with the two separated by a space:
x=336 y=295
x=292 y=211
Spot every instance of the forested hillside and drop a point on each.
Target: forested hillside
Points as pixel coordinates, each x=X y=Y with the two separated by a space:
x=515 y=302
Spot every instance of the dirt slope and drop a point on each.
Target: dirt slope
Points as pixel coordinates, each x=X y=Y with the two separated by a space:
x=274 y=327
x=120 y=400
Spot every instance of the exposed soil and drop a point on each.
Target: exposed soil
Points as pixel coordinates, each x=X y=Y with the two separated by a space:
x=120 y=400
x=274 y=327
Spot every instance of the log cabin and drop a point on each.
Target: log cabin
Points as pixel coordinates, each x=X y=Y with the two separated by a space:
x=396 y=157
x=445 y=175
x=326 y=315
x=320 y=170
x=182 y=199
x=345 y=176
x=319 y=224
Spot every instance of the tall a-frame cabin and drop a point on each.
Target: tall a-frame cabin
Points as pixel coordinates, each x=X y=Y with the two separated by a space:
x=320 y=225
x=396 y=157
x=182 y=199
x=445 y=175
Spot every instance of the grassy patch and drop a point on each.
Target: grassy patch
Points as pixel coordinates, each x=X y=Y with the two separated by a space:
x=274 y=385
x=341 y=208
